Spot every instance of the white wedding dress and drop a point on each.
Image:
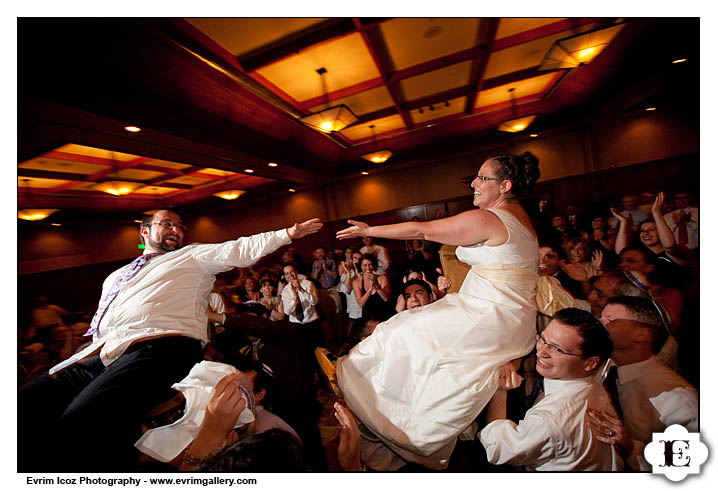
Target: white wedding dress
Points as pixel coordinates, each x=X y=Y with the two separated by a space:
x=425 y=374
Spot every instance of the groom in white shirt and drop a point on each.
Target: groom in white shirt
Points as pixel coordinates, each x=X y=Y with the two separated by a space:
x=148 y=332
x=553 y=435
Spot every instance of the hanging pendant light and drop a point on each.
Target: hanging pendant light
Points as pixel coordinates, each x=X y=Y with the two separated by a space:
x=331 y=119
x=580 y=49
x=380 y=156
x=117 y=187
x=229 y=194
x=33 y=214
x=517 y=123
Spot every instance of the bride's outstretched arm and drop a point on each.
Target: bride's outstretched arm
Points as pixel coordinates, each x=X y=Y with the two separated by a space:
x=468 y=228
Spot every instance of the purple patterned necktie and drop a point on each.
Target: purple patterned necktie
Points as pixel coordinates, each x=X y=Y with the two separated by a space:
x=125 y=274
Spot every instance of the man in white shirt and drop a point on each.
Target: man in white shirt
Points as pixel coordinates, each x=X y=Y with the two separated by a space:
x=683 y=221
x=651 y=395
x=553 y=435
x=299 y=301
x=85 y=414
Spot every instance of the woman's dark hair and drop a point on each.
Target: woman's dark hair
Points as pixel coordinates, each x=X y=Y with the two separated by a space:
x=522 y=170
x=371 y=258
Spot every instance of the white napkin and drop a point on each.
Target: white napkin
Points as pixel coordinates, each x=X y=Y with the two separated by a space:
x=166 y=442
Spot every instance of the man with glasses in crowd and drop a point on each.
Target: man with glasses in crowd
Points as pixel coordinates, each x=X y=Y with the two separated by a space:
x=148 y=332
x=552 y=435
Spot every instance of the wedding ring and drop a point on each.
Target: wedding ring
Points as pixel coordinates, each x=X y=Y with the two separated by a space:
x=610 y=433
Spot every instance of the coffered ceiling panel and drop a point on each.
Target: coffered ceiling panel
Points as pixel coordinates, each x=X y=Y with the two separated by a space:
x=415 y=41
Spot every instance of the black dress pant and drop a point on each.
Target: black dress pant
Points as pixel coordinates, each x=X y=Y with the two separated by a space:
x=87 y=417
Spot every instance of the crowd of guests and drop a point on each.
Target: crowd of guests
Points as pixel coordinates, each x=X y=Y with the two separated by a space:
x=634 y=267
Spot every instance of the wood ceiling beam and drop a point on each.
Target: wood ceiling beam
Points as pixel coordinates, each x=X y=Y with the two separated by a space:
x=379 y=52
x=543 y=31
x=486 y=36
x=295 y=42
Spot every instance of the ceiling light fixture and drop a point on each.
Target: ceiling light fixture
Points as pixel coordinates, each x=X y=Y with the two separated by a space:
x=580 y=49
x=379 y=156
x=272 y=164
x=291 y=190
x=115 y=187
x=133 y=129
x=517 y=123
x=533 y=135
x=230 y=194
x=650 y=109
x=331 y=119
x=33 y=214
x=681 y=60
x=364 y=173
x=248 y=171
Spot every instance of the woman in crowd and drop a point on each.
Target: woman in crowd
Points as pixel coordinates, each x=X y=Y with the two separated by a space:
x=425 y=374
x=251 y=290
x=371 y=290
x=270 y=300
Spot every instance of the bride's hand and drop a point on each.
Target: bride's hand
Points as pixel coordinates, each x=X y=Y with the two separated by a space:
x=359 y=229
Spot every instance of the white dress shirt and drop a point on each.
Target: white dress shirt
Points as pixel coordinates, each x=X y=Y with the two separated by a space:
x=691 y=225
x=170 y=294
x=309 y=302
x=353 y=309
x=652 y=398
x=554 y=436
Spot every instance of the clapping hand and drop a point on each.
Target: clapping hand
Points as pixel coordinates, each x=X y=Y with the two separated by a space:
x=597 y=260
x=658 y=203
x=621 y=219
x=443 y=282
x=574 y=271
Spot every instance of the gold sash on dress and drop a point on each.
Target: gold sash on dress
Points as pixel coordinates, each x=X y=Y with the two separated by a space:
x=550 y=295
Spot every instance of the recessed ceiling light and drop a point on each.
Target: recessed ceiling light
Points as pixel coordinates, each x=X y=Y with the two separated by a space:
x=132 y=129
x=680 y=60
x=364 y=173
x=291 y=190
x=533 y=135
x=56 y=225
x=272 y=164
x=248 y=171
x=650 y=109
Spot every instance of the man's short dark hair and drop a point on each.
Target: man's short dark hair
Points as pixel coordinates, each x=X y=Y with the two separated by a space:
x=416 y=281
x=269 y=451
x=147 y=220
x=294 y=265
x=646 y=312
x=596 y=340
x=555 y=248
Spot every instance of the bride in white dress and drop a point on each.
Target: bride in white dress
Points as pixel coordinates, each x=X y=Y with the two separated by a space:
x=425 y=374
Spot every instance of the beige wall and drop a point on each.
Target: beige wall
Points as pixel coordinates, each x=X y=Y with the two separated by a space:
x=567 y=152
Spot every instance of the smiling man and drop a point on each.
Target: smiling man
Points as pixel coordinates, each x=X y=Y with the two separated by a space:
x=553 y=435
x=147 y=333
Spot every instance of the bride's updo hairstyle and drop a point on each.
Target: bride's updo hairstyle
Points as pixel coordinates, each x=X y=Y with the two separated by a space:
x=522 y=170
